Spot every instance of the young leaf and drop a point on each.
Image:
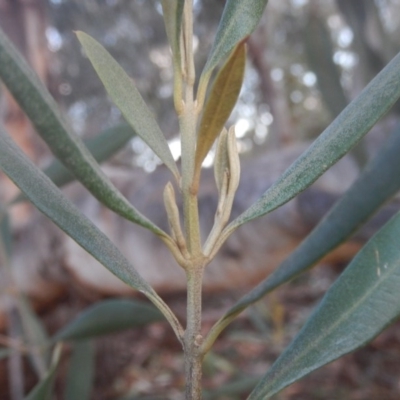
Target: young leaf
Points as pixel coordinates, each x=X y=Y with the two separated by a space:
x=107 y=317
x=219 y=106
x=43 y=390
x=172 y=12
x=374 y=187
x=37 y=103
x=80 y=374
x=238 y=21
x=123 y=92
x=359 y=305
x=340 y=136
x=51 y=202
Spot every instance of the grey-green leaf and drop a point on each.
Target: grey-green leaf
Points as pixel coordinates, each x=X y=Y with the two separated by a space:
x=44 y=389
x=123 y=92
x=374 y=187
x=341 y=135
x=51 y=202
x=108 y=317
x=359 y=305
x=35 y=336
x=376 y=184
x=172 y=12
x=42 y=110
x=238 y=21
x=102 y=147
x=80 y=375
x=39 y=189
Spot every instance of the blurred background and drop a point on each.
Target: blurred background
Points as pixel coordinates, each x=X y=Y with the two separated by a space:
x=306 y=61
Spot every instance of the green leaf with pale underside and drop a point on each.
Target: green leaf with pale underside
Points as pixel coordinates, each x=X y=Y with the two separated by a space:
x=222 y=99
x=124 y=94
x=361 y=303
x=42 y=110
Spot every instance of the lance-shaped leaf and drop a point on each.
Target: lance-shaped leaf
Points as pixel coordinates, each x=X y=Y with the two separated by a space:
x=223 y=97
x=108 y=317
x=127 y=98
x=360 y=304
x=44 y=389
x=80 y=375
x=376 y=184
x=341 y=135
x=35 y=336
x=238 y=21
x=172 y=12
x=40 y=107
x=39 y=189
x=102 y=147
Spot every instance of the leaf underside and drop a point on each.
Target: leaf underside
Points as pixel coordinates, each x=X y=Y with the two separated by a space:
x=222 y=99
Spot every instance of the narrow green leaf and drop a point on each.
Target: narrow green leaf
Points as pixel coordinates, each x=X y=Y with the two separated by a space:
x=42 y=110
x=238 y=21
x=51 y=202
x=102 y=147
x=172 y=12
x=359 y=305
x=35 y=336
x=219 y=106
x=123 y=92
x=39 y=189
x=375 y=185
x=44 y=389
x=80 y=375
x=108 y=317
x=341 y=135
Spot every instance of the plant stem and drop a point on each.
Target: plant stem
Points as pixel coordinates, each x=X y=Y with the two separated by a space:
x=188 y=121
x=193 y=338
